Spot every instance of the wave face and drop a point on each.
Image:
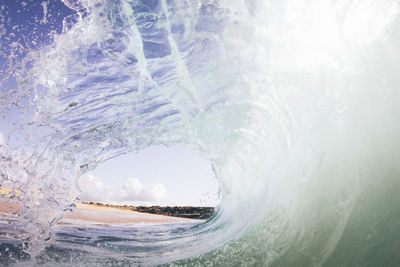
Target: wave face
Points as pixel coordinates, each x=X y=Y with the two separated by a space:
x=295 y=103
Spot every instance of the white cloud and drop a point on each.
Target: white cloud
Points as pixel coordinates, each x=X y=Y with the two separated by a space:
x=132 y=190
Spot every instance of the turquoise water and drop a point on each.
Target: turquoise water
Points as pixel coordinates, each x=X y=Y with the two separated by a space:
x=295 y=103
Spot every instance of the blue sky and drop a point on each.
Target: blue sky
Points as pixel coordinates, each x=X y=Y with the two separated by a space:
x=157 y=175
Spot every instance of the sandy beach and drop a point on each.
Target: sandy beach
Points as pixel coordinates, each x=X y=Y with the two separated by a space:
x=97 y=214
x=91 y=212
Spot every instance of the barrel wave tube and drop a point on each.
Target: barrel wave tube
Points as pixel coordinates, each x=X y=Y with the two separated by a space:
x=295 y=103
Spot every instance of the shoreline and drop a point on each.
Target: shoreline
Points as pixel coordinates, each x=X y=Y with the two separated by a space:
x=190 y=212
x=98 y=214
x=118 y=214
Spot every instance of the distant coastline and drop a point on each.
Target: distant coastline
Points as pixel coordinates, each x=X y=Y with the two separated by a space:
x=190 y=212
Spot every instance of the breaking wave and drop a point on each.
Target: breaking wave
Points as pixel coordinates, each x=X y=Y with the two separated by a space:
x=295 y=103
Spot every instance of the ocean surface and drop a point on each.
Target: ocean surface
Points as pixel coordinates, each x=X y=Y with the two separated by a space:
x=296 y=104
x=80 y=243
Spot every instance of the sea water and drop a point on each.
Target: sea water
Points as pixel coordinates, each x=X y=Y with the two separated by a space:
x=294 y=102
x=77 y=243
